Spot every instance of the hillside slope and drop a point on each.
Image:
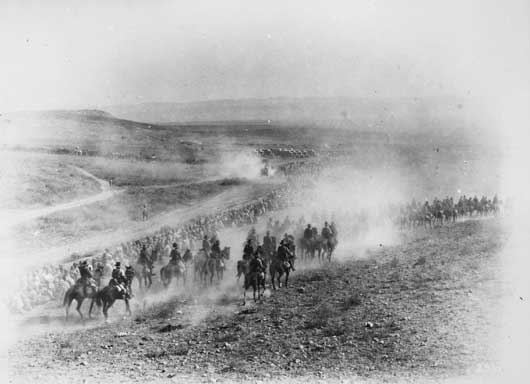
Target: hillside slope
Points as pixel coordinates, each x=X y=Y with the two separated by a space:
x=420 y=311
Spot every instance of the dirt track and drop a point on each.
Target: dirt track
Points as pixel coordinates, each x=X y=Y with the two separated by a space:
x=16 y=217
x=235 y=196
x=392 y=316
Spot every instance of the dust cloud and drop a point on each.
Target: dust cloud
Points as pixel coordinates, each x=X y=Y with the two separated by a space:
x=239 y=163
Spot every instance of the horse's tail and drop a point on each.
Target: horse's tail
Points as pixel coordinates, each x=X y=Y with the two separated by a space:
x=239 y=271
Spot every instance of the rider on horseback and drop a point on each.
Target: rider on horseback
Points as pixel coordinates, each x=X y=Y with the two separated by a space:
x=257 y=265
x=268 y=246
x=248 y=250
x=144 y=259
x=129 y=276
x=285 y=254
x=308 y=232
x=206 y=247
x=216 y=249
x=333 y=228
x=326 y=232
x=118 y=278
x=174 y=256
x=86 y=277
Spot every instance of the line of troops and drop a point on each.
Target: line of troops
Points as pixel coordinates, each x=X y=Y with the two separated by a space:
x=285 y=152
x=259 y=255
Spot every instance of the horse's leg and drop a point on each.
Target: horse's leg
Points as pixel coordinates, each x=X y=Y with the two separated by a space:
x=78 y=308
x=105 y=309
x=127 y=307
x=90 y=309
x=70 y=299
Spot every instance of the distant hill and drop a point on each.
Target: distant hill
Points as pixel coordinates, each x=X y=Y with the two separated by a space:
x=315 y=110
x=449 y=117
x=94 y=131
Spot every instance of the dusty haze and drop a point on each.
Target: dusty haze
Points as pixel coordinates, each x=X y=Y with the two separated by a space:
x=129 y=56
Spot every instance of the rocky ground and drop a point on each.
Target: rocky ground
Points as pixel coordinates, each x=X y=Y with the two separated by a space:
x=420 y=311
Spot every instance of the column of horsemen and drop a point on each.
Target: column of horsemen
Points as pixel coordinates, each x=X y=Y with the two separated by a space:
x=257 y=259
x=209 y=262
x=134 y=260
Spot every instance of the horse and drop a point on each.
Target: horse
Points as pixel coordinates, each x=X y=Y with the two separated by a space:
x=242 y=266
x=106 y=298
x=318 y=244
x=143 y=272
x=280 y=268
x=439 y=216
x=451 y=214
x=199 y=266
x=77 y=293
x=215 y=266
x=329 y=246
x=423 y=218
x=306 y=248
x=173 y=270
x=256 y=280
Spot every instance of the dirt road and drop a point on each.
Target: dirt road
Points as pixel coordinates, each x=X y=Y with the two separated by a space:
x=15 y=217
x=235 y=196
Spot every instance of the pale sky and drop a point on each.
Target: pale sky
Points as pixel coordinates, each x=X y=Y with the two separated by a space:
x=79 y=54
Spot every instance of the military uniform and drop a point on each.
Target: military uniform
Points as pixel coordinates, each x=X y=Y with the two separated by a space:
x=118 y=278
x=175 y=256
x=248 y=250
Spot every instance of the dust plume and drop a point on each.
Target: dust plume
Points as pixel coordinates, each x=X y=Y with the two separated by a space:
x=239 y=163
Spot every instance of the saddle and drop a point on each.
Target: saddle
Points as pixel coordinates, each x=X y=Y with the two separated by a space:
x=120 y=288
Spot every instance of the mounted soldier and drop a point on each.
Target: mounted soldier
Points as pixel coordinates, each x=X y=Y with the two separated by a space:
x=253 y=237
x=129 y=276
x=326 y=231
x=98 y=274
x=308 y=233
x=333 y=228
x=118 y=278
x=248 y=250
x=285 y=254
x=144 y=259
x=206 y=246
x=268 y=247
x=86 y=277
x=174 y=256
x=257 y=264
x=216 y=250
